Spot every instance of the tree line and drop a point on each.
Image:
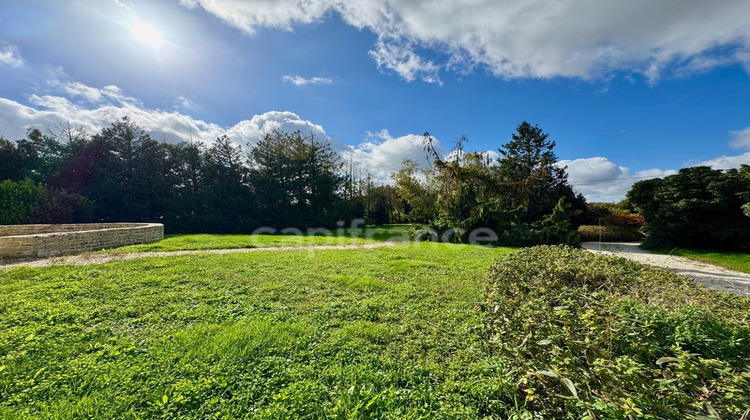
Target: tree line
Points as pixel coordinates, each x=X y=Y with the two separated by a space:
x=284 y=180
x=699 y=207
x=523 y=196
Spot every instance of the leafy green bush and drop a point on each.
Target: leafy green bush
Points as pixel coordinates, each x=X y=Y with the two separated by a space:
x=521 y=236
x=591 y=336
x=608 y=234
x=26 y=202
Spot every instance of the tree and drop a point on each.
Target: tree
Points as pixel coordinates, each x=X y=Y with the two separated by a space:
x=380 y=208
x=529 y=161
x=418 y=197
x=699 y=207
x=127 y=175
x=296 y=180
x=229 y=203
x=469 y=194
x=13 y=162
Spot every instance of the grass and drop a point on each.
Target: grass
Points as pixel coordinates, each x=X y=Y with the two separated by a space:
x=386 y=333
x=295 y=238
x=737 y=261
x=409 y=331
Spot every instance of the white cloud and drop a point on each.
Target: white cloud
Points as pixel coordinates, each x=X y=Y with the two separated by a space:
x=383 y=154
x=190 y=4
x=95 y=95
x=250 y=15
x=48 y=112
x=601 y=180
x=521 y=38
x=405 y=62
x=104 y=106
x=727 y=162
x=301 y=81
x=250 y=131
x=10 y=56
x=740 y=139
x=184 y=103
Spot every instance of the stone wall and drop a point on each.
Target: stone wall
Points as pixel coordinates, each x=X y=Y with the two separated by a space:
x=41 y=241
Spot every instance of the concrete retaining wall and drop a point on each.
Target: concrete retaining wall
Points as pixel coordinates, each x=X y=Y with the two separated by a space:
x=41 y=241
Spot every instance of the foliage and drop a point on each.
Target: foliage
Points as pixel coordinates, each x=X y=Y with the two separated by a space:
x=510 y=198
x=610 y=214
x=126 y=176
x=699 y=207
x=529 y=159
x=469 y=196
x=520 y=235
x=25 y=202
x=289 y=180
x=296 y=180
x=350 y=334
x=594 y=233
x=418 y=196
x=129 y=176
x=557 y=227
x=612 y=223
x=590 y=336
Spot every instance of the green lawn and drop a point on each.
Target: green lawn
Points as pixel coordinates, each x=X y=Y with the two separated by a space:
x=373 y=333
x=369 y=234
x=732 y=260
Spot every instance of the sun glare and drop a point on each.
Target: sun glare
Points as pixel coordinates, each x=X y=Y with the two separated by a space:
x=146 y=33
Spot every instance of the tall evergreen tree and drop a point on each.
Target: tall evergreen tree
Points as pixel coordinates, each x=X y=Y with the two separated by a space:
x=529 y=161
x=229 y=198
x=297 y=179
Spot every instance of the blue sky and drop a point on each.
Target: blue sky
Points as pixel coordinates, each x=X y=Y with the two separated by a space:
x=627 y=89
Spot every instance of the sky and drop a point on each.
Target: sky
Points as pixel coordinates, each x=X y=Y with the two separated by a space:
x=627 y=89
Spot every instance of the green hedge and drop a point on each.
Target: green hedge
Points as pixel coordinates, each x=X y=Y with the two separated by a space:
x=592 y=336
x=25 y=202
x=608 y=234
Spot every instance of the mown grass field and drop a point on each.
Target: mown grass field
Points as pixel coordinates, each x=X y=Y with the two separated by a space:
x=415 y=330
x=342 y=236
x=321 y=334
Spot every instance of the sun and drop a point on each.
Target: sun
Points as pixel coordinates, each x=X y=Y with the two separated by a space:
x=146 y=33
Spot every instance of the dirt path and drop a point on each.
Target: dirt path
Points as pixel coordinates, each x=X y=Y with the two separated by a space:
x=716 y=278
x=91 y=258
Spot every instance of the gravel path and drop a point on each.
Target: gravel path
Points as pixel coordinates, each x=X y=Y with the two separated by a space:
x=91 y=258
x=716 y=278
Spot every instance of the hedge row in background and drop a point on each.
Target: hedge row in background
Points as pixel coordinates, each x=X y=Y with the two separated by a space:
x=591 y=233
x=611 y=222
x=590 y=336
x=25 y=202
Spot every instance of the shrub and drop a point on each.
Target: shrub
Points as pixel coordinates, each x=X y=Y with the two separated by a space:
x=617 y=224
x=608 y=234
x=25 y=202
x=592 y=336
x=520 y=236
